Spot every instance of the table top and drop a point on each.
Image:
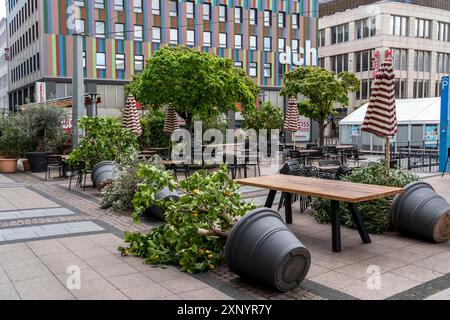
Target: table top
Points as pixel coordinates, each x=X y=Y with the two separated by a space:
x=326 y=189
x=343 y=146
x=307 y=151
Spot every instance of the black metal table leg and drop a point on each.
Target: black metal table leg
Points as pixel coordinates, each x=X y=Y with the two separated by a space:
x=359 y=223
x=336 y=226
x=288 y=208
x=270 y=199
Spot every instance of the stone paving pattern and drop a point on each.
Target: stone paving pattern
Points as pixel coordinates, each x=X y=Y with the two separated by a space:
x=34 y=264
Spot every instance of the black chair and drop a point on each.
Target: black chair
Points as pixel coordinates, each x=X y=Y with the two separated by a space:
x=253 y=160
x=76 y=171
x=342 y=172
x=333 y=153
x=356 y=157
x=316 y=156
x=310 y=146
x=54 y=162
x=446 y=163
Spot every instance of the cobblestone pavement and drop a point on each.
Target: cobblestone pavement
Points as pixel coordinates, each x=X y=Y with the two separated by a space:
x=44 y=228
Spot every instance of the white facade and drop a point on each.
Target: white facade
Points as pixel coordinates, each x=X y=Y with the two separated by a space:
x=3 y=68
x=419 y=35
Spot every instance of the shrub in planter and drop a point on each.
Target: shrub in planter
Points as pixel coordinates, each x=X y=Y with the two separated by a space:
x=118 y=195
x=197 y=224
x=153 y=135
x=13 y=143
x=375 y=213
x=105 y=140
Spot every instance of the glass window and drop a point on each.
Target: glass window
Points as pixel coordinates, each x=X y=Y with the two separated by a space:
x=399 y=26
x=101 y=60
x=267 y=44
x=190 y=38
x=173 y=36
x=253 y=17
x=156 y=34
x=119 y=31
x=137 y=6
x=238 y=64
x=443 y=31
x=295 y=21
x=138 y=63
x=238 y=41
x=267 y=70
x=237 y=15
x=156 y=7
x=253 y=43
x=120 y=61
x=173 y=8
x=207 y=39
x=223 y=40
x=79 y=26
x=100 y=29
x=253 y=69
x=423 y=28
x=267 y=18
x=281 y=19
x=138 y=33
x=222 y=13
x=281 y=45
x=190 y=9
x=206 y=11
x=118 y=5
x=400 y=59
x=99 y=4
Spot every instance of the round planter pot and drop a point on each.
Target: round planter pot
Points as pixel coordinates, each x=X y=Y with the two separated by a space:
x=8 y=165
x=157 y=212
x=37 y=161
x=261 y=247
x=102 y=174
x=422 y=212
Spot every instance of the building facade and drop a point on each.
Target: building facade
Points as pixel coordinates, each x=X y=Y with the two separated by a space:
x=354 y=36
x=120 y=35
x=4 y=56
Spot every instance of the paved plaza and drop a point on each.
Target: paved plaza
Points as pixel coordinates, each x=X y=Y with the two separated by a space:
x=50 y=235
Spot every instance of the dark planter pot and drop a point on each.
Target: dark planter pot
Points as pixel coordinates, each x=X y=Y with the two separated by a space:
x=37 y=161
x=261 y=247
x=422 y=212
x=157 y=212
x=102 y=174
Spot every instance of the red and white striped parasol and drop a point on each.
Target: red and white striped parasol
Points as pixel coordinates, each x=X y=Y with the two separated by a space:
x=171 y=123
x=131 y=119
x=381 y=116
x=292 y=120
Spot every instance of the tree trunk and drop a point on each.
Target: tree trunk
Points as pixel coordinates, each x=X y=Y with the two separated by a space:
x=321 y=133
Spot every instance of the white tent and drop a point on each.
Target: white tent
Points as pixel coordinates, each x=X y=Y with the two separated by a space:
x=415 y=117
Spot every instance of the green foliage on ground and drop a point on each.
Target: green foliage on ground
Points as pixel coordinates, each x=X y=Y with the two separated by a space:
x=322 y=90
x=376 y=214
x=194 y=82
x=197 y=224
x=105 y=139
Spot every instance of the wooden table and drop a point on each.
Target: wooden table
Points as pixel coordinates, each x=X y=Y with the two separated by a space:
x=336 y=191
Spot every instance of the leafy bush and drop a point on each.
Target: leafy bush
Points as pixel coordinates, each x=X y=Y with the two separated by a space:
x=13 y=141
x=153 y=135
x=197 y=224
x=118 y=196
x=105 y=139
x=266 y=116
x=375 y=213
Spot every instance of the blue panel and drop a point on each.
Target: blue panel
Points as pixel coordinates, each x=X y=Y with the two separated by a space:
x=445 y=124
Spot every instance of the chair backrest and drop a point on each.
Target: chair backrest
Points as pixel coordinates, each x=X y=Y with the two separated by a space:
x=294 y=154
x=324 y=163
x=290 y=167
x=343 y=171
x=54 y=160
x=332 y=150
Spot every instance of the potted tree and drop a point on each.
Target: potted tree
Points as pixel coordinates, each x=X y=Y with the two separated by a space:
x=12 y=143
x=43 y=126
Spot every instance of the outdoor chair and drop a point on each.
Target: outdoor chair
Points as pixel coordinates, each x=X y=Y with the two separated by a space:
x=356 y=157
x=80 y=172
x=233 y=168
x=325 y=163
x=252 y=160
x=296 y=155
x=54 y=162
x=310 y=146
x=316 y=156
x=342 y=172
x=333 y=153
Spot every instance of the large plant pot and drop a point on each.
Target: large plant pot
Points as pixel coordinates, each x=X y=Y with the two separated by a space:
x=261 y=247
x=8 y=165
x=157 y=212
x=422 y=212
x=37 y=161
x=102 y=174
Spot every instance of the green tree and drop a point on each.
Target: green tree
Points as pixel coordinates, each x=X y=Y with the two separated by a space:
x=194 y=82
x=266 y=116
x=322 y=90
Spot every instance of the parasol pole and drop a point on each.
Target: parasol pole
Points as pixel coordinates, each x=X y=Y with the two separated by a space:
x=388 y=154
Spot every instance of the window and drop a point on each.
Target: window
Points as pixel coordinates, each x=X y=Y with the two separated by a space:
x=120 y=62
x=322 y=38
x=423 y=28
x=99 y=4
x=400 y=59
x=399 y=26
x=253 y=43
x=295 y=46
x=339 y=33
x=253 y=17
x=366 y=28
x=156 y=34
x=364 y=60
x=267 y=44
x=207 y=39
x=295 y=21
x=190 y=10
x=101 y=60
x=79 y=26
x=173 y=36
x=207 y=11
x=400 y=88
x=237 y=15
x=442 y=65
x=339 y=63
x=443 y=31
x=238 y=64
x=238 y=41
x=119 y=31
x=281 y=45
x=222 y=13
x=421 y=61
x=364 y=91
x=137 y=6
x=253 y=69
x=223 y=40
x=79 y=3
x=138 y=33
x=267 y=18
x=190 y=38
x=138 y=63
x=267 y=70
x=438 y=89
x=421 y=89
x=99 y=29
x=281 y=19
x=118 y=5
x=173 y=8
x=156 y=7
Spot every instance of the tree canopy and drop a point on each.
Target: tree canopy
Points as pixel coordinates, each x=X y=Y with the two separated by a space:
x=194 y=82
x=322 y=90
